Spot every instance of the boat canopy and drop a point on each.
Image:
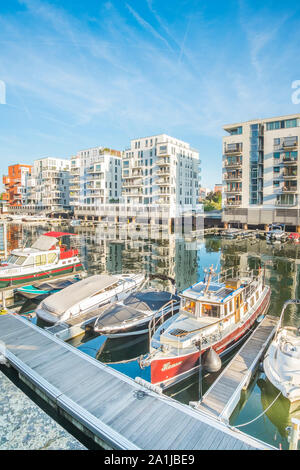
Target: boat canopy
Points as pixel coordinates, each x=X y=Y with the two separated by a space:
x=44 y=243
x=58 y=234
x=136 y=306
x=61 y=301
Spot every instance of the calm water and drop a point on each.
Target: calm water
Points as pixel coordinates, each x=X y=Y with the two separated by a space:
x=122 y=251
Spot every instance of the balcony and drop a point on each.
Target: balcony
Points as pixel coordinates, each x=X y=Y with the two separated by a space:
x=289 y=189
x=233 y=190
x=163 y=162
x=130 y=184
x=233 y=177
x=163 y=181
x=235 y=164
x=233 y=203
x=289 y=161
x=233 y=149
x=290 y=175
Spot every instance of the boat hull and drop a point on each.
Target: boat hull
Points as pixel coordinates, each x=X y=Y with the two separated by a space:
x=31 y=277
x=170 y=370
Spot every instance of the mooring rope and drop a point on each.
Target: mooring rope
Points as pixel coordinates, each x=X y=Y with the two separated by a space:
x=257 y=417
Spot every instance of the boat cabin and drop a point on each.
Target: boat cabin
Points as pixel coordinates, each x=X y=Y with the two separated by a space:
x=216 y=301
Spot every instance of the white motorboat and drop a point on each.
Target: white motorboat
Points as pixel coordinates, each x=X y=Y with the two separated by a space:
x=282 y=361
x=86 y=295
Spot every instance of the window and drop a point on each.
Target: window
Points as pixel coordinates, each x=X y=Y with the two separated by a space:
x=209 y=310
x=51 y=258
x=20 y=260
x=276 y=155
x=189 y=306
x=40 y=260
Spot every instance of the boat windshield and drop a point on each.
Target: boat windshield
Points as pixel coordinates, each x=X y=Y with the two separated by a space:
x=189 y=306
x=18 y=260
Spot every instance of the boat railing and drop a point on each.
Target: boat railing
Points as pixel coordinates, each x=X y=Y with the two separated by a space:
x=159 y=318
x=285 y=305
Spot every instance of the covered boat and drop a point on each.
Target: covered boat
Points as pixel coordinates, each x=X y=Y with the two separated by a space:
x=40 y=290
x=86 y=295
x=282 y=360
x=46 y=258
x=213 y=316
x=132 y=315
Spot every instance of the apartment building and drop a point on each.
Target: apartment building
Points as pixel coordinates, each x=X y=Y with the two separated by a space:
x=15 y=184
x=160 y=170
x=261 y=182
x=49 y=188
x=95 y=180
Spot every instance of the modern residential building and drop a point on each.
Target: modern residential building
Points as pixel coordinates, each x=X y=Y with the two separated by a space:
x=95 y=180
x=160 y=170
x=49 y=186
x=261 y=177
x=15 y=184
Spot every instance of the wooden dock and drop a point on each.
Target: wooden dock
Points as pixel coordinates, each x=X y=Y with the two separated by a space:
x=222 y=397
x=111 y=408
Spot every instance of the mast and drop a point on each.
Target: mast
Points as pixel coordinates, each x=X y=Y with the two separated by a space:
x=211 y=272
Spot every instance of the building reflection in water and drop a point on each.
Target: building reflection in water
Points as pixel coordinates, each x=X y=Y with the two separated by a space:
x=121 y=248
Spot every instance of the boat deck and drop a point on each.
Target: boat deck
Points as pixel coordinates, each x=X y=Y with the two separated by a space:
x=110 y=407
x=223 y=396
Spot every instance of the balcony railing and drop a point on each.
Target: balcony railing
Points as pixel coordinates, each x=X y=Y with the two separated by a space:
x=233 y=150
x=233 y=190
x=233 y=203
x=289 y=189
x=235 y=164
x=233 y=177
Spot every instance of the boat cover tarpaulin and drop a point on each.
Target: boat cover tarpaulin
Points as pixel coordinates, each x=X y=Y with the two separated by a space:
x=44 y=243
x=60 y=302
x=135 y=307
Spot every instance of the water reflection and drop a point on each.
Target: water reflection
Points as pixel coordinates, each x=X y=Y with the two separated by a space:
x=114 y=249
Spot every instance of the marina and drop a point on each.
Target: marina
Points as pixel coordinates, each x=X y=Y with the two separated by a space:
x=123 y=354
x=117 y=412
x=222 y=398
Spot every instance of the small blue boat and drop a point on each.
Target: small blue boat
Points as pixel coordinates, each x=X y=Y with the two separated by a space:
x=42 y=290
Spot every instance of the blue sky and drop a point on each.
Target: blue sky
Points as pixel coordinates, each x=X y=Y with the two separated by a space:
x=87 y=73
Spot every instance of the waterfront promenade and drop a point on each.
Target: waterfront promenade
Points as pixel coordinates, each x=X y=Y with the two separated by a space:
x=106 y=405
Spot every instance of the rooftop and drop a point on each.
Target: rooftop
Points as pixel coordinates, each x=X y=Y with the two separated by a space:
x=262 y=120
x=217 y=291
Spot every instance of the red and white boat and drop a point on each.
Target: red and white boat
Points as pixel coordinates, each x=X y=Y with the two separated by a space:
x=46 y=258
x=213 y=315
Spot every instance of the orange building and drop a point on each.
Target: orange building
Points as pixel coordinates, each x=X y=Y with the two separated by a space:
x=14 y=183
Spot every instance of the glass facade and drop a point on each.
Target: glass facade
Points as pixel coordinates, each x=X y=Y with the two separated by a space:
x=286 y=124
x=256 y=164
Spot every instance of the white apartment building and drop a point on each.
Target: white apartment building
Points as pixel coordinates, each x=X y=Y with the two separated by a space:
x=50 y=184
x=261 y=182
x=95 y=179
x=160 y=170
